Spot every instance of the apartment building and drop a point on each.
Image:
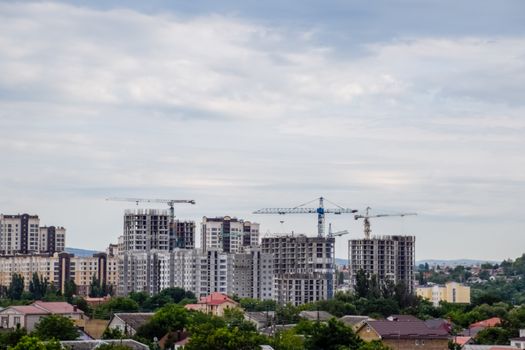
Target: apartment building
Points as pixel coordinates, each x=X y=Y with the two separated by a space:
x=253 y=275
x=59 y=268
x=450 y=292
x=52 y=239
x=22 y=234
x=146 y=229
x=182 y=235
x=228 y=234
x=304 y=269
x=390 y=258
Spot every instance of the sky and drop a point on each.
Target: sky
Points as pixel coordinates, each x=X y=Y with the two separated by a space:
x=403 y=106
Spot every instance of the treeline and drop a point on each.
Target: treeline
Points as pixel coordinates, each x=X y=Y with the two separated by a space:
x=233 y=332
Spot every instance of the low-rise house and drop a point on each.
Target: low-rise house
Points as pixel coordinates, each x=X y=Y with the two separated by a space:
x=354 y=321
x=129 y=322
x=406 y=335
x=488 y=323
x=322 y=316
x=27 y=316
x=487 y=347
x=450 y=292
x=519 y=342
x=215 y=304
x=260 y=319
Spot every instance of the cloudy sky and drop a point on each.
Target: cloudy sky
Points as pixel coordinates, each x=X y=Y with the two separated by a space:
x=397 y=105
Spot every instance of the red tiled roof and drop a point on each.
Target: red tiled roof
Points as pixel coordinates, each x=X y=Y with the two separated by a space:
x=491 y=322
x=461 y=340
x=404 y=330
x=216 y=298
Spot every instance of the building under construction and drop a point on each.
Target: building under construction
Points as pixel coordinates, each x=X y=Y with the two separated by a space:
x=304 y=268
x=390 y=258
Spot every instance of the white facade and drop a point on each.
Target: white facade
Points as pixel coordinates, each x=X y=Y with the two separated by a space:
x=228 y=234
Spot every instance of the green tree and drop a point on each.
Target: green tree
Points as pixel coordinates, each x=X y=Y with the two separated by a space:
x=331 y=335
x=112 y=333
x=38 y=287
x=56 y=327
x=287 y=340
x=11 y=338
x=374 y=345
x=70 y=290
x=16 y=287
x=225 y=339
x=493 y=336
x=117 y=304
x=169 y=318
x=33 y=343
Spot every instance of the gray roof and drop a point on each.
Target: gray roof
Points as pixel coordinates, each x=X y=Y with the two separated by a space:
x=316 y=315
x=352 y=320
x=93 y=344
x=260 y=316
x=134 y=319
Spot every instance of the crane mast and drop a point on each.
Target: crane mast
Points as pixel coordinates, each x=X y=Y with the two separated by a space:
x=366 y=219
x=321 y=211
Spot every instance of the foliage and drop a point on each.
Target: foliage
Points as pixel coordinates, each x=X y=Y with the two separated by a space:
x=167 y=296
x=56 y=327
x=112 y=333
x=70 y=290
x=493 y=336
x=171 y=317
x=37 y=287
x=224 y=338
x=250 y=304
x=329 y=335
x=98 y=289
x=117 y=304
x=11 y=338
x=16 y=287
x=374 y=345
x=34 y=343
x=287 y=340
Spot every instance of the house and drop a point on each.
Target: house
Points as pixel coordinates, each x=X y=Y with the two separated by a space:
x=215 y=303
x=129 y=322
x=354 y=321
x=316 y=315
x=519 y=342
x=406 y=335
x=27 y=316
x=439 y=323
x=260 y=319
x=491 y=322
x=450 y=292
x=94 y=344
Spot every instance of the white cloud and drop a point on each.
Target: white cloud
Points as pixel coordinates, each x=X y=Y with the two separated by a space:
x=100 y=103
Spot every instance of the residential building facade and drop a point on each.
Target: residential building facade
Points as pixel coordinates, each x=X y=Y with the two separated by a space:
x=253 y=275
x=228 y=234
x=389 y=258
x=304 y=269
x=146 y=229
x=451 y=292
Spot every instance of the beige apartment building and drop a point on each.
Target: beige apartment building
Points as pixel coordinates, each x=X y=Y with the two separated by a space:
x=451 y=292
x=59 y=268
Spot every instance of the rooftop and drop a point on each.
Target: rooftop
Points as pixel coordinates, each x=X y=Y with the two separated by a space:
x=134 y=319
x=406 y=329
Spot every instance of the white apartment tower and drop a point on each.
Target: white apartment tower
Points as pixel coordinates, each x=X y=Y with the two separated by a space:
x=390 y=258
x=231 y=235
x=304 y=268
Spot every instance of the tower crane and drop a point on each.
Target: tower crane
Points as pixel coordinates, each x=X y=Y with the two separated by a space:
x=336 y=234
x=367 y=218
x=301 y=209
x=169 y=202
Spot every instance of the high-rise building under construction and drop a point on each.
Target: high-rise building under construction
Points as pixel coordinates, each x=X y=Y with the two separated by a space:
x=389 y=258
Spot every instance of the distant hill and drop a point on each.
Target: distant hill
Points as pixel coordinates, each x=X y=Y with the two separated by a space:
x=340 y=261
x=456 y=262
x=81 y=252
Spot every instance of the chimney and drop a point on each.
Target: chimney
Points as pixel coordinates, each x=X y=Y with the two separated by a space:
x=75 y=308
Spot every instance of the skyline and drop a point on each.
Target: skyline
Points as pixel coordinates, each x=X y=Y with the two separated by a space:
x=403 y=107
